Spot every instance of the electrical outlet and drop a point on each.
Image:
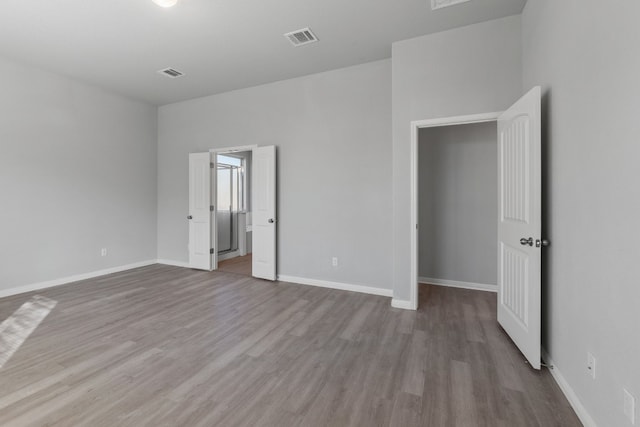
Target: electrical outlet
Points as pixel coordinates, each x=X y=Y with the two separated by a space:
x=591 y=365
x=334 y=261
x=630 y=406
x=103 y=252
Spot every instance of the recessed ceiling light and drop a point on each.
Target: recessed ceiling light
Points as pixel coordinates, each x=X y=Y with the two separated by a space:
x=165 y=3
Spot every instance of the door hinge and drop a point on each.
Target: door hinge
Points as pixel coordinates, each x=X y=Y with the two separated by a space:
x=211 y=251
x=211 y=208
x=211 y=165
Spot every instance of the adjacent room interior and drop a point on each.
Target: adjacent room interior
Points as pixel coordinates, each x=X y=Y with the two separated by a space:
x=458 y=202
x=249 y=213
x=233 y=201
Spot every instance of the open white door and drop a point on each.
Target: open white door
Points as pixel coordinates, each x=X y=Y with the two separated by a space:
x=520 y=224
x=202 y=221
x=264 y=212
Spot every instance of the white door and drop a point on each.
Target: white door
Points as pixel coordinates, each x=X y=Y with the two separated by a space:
x=264 y=212
x=520 y=223
x=202 y=221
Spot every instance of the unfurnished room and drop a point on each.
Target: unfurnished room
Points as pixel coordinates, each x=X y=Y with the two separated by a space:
x=336 y=213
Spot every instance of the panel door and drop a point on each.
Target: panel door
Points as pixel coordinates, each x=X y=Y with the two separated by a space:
x=520 y=224
x=264 y=212
x=201 y=217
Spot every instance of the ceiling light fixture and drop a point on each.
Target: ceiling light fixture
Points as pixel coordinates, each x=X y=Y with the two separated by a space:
x=165 y=3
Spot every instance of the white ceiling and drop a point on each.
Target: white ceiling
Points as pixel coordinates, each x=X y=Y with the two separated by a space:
x=219 y=44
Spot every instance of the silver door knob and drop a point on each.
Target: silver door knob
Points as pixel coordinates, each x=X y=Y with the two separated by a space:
x=271 y=221
x=524 y=241
x=543 y=242
x=189 y=217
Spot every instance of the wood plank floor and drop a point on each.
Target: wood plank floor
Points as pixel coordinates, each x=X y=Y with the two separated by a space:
x=238 y=265
x=167 y=346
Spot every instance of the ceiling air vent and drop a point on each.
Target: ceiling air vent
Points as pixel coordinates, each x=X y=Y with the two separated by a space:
x=301 y=37
x=171 y=72
x=439 y=4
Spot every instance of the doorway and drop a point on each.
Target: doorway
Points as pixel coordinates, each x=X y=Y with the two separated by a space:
x=234 y=234
x=457 y=206
x=416 y=126
x=519 y=218
x=253 y=204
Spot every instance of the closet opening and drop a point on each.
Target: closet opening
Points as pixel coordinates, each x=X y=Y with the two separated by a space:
x=457 y=206
x=443 y=226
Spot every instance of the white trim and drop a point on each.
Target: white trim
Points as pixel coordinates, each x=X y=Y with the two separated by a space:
x=415 y=126
x=571 y=396
x=457 y=120
x=174 y=263
x=229 y=255
x=233 y=149
x=413 y=271
x=459 y=284
x=403 y=304
x=70 y=279
x=336 y=285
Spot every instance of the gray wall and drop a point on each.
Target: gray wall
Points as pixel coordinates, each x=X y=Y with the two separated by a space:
x=458 y=198
x=470 y=70
x=77 y=173
x=333 y=135
x=586 y=56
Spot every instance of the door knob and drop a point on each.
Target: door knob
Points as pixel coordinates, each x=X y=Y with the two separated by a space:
x=543 y=242
x=189 y=217
x=524 y=241
x=271 y=221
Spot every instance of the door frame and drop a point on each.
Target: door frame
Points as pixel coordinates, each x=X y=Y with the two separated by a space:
x=415 y=128
x=227 y=150
x=233 y=149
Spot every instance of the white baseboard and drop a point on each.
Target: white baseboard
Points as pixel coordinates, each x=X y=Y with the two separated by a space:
x=229 y=255
x=336 y=285
x=173 y=263
x=64 y=280
x=458 y=284
x=404 y=304
x=571 y=396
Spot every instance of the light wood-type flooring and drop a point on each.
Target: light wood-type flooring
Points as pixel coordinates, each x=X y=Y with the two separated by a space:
x=238 y=265
x=168 y=346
